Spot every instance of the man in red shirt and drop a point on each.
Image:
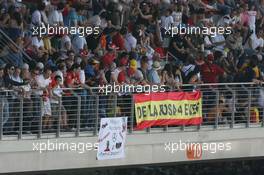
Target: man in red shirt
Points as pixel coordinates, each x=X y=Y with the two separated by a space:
x=210 y=72
x=110 y=56
x=119 y=40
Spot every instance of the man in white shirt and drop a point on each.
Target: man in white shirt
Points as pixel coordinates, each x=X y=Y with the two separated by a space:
x=219 y=42
x=55 y=17
x=38 y=46
x=167 y=20
x=79 y=43
x=65 y=44
x=252 y=18
x=130 y=42
x=256 y=41
x=43 y=81
x=39 y=17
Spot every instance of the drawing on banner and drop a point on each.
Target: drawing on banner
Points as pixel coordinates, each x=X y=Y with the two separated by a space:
x=112 y=137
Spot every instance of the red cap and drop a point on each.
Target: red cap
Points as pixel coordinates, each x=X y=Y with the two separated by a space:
x=84 y=53
x=160 y=51
x=123 y=61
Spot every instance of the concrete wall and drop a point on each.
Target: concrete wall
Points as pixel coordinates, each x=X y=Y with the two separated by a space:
x=18 y=156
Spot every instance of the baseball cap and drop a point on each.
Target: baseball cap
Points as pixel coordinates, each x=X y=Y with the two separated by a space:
x=123 y=61
x=25 y=66
x=133 y=64
x=156 y=65
x=40 y=65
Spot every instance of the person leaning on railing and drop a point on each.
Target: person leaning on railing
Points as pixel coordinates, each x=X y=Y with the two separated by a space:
x=13 y=99
x=58 y=110
x=4 y=105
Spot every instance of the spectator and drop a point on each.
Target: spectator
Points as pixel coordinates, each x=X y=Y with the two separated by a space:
x=144 y=65
x=55 y=17
x=154 y=74
x=58 y=110
x=39 y=17
x=210 y=72
x=3 y=100
x=43 y=82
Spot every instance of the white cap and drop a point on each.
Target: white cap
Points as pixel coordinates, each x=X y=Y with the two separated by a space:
x=40 y=65
x=25 y=66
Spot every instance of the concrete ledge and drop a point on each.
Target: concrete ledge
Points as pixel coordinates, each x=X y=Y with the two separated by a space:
x=18 y=156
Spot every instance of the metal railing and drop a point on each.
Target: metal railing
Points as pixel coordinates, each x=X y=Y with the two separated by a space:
x=7 y=55
x=78 y=112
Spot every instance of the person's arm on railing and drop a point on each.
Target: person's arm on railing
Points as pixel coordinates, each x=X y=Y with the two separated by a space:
x=11 y=82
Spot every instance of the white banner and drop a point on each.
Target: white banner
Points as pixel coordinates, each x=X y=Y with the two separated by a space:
x=112 y=136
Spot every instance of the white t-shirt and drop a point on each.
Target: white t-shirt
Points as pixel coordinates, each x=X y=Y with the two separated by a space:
x=130 y=42
x=64 y=40
x=138 y=76
x=36 y=18
x=177 y=18
x=166 y=22
x=58 y=92
x=216 y=39
x=42 y=83
x=115 y=73
x=36 y=42
x=82 y=76
x=55 y=17
x=78 y=44
x=256 y=42
x=252 y=19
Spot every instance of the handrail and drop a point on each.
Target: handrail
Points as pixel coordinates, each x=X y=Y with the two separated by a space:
x=11 y=41
x=79 y=114
x=183 y=85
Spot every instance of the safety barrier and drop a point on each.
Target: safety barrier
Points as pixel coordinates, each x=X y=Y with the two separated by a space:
x=78 y=111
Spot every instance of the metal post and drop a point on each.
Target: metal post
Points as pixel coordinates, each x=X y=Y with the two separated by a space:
x=199 y=126
x=78 y=117
x=20 y=132
x=249 y=108
x=115 y=104
x=59 y=119
x=132 y=114
x=262 y=117
x=233 y=109
x=217 y=107
x=1 y=119
x=96 y=114
x=40 y=119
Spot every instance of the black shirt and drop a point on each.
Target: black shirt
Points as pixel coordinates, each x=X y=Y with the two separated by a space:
x=181 y=44
x=92 y=42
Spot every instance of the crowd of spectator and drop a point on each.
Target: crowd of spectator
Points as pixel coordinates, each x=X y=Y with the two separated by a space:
x=131 y=47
